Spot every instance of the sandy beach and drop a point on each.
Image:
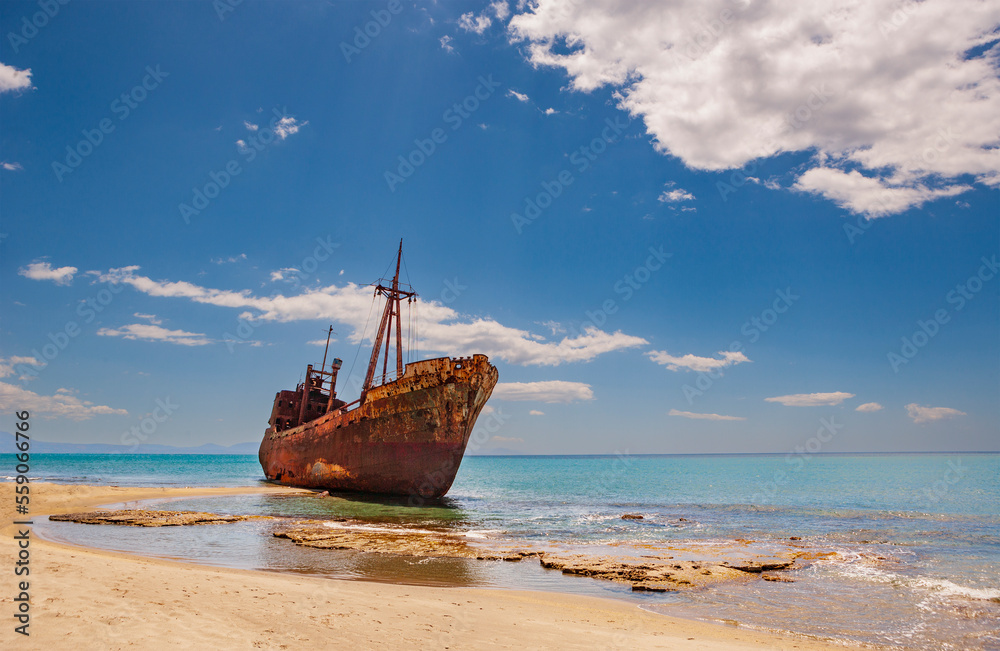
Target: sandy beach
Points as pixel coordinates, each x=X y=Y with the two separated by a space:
x=84 y=598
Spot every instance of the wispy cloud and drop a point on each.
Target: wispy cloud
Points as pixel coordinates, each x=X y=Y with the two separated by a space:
x=675 y=195
x=12 y=79
x=288 y=126
x=500 y=9
x=152 y=318
x=63 y=404
x=519 y=96
x=11 y=167
x=472 y=23
x=694 y=416
x=694 y=363
x=8 y=365
x=230 y=259
x=869 y=407
x=812 y=399
x=547 y=391
x=150 y=332
x=921 y=414
x=535 y=412
x=441 y=328
x=283 y=274
x=44 y=271
x=446 y=43
x=554 y=326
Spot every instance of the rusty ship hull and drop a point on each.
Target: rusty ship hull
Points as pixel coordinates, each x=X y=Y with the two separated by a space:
x=406 y=437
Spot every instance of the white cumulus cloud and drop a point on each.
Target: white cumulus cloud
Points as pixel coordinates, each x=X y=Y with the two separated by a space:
x=288 y=126
x=8 y=364
x=897 y=101
x=44 y=271
x=150 y=332
x=812 y=399
x=472 y=23
x=921 y=414
x=869 y=407
x=12 y=79
x=695 y=363
x=547 y=391
x=440 y=327
x=63 y=404
x=673 y=196
x=500 y=9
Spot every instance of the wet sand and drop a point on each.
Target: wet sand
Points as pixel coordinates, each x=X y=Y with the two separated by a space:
x=85 y=598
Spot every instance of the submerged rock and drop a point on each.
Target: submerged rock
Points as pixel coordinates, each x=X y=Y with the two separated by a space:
x=401 y=542
x=651 y=587
x=755 y=567
x=632 y=516
x=144 y=518
x=652 y=574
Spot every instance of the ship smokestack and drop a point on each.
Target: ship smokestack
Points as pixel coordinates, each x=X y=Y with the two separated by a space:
x=334 y=369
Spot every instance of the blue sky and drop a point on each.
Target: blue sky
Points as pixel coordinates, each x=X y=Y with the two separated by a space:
x=741 y=216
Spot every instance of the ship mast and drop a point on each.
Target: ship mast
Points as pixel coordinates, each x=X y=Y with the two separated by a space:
x=392 y=311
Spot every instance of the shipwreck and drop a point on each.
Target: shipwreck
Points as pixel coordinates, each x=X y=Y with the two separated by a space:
x=405 y=435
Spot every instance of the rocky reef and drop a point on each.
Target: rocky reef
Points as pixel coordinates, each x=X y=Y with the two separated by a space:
x=657 y=571
x=651 y=573
x=144 y=518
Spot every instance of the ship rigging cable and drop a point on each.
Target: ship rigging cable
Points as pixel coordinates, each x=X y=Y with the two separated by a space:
x=350 y=374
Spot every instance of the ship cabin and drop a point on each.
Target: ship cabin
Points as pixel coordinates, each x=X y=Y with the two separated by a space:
x=312 y=398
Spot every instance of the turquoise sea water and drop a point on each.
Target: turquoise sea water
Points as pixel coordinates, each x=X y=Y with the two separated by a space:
x=916 y=537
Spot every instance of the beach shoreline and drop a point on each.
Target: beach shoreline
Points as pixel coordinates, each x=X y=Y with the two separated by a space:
x=117 y=600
